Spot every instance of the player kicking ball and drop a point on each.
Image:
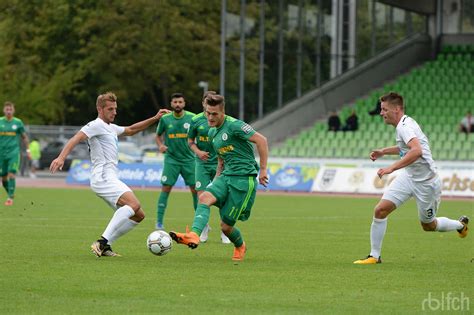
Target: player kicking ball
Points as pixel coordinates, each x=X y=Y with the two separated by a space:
x=418 y=178
x=234 y=188
x=102 y=137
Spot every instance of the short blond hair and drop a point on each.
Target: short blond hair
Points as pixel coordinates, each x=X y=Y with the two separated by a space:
x=7 y=103
x=393 y=99
x=103 y=98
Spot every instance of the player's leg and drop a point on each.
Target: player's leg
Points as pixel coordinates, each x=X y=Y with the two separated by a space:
x=238 y=205
x=201 y=218
x=127 y=215
x=398 y=192
x=188 y=172
x=161 y=205
x=213 y=195
x=4 y=173
x=168 y=179
x=428 y=199
x=203 y=178
x=13 y=163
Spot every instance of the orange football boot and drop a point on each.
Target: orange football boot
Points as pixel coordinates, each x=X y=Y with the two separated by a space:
x=239 y=253
x=191 y=239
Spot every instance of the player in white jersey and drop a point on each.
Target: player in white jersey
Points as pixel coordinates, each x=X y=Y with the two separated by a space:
x=102 y=138
x=418 y=178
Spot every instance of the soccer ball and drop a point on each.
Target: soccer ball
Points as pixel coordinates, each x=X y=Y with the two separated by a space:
x=159 y=243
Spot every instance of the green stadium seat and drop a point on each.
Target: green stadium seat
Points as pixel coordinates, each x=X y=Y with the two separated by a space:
x=450 y=85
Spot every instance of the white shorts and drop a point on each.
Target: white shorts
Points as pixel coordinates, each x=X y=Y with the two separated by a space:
x=427 y=195
x=110 y=190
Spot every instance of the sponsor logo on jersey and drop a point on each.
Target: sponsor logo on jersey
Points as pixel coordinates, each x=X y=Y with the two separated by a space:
x=224 y=136
x=177 y=135
x=226 y=149
x=246 y=128
x=203 y=139
x=7 y=133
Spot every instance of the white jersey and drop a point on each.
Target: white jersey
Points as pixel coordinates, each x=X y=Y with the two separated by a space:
x=423 y=168
x=103 y=146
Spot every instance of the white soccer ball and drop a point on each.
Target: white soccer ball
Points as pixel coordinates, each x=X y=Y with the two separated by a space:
x=159 y=243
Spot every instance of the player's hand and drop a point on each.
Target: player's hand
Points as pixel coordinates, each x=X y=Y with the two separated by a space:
x=263 y=177
x=384 y=171
x=57 y=164
x=203 y=155
x=163 y=148
x=28 y=155
x=375 y=154
x=162 y=112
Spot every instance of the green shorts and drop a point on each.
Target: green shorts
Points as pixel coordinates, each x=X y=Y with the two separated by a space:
x=171 y=172
x=9 y=164
x=235 y=197
x=205 y=173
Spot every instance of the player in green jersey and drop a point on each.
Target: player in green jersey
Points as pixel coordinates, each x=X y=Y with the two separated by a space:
x=233 y=190
x=11 y=130
x=172 y=141
x=206 y=159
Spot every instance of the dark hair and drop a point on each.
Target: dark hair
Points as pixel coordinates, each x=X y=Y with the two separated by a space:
x=208 y=93
x=393 y=98
x=177 y=95
x=214 y=100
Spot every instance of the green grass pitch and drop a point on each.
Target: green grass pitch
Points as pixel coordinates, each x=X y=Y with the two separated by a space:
x=299 y=259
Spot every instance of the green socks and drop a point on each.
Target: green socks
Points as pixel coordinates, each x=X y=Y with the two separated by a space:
x=235 y=237
x=5 y=185
x=201 y=218
x=195 y=201
x=161 y=206
x=11 y=187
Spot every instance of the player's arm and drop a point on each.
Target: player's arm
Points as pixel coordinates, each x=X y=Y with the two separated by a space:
x=378 y=153
x=59 y=161
x=220 y=166
x=262 y=149
x=26 y=142
x=413 y=154
x=142 y=125
x=160 y=143
x=203 y=155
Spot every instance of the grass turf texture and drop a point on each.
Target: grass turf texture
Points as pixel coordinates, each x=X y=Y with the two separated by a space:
x=299 y=259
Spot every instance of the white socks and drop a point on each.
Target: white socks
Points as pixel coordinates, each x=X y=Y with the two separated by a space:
x=126 y=226
x=445 y=225
x=377 y=232
x=121 y=216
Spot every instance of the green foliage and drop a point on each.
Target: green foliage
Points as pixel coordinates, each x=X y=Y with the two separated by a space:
x=58 y=55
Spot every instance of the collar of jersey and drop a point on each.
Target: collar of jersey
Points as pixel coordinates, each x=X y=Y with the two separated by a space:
x=225 y=120
x=184 y=114
x=401 y=120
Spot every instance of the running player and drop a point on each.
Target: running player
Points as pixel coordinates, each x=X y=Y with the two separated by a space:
x=206 y=159
x=101 y=135
x=179 y=159
x=233 y=190
x=418 y=178
x=11 y=130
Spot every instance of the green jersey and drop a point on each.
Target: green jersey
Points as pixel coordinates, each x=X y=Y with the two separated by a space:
x=199 y=130
x=231 y=142
x=175 y=130
x=10 y=133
